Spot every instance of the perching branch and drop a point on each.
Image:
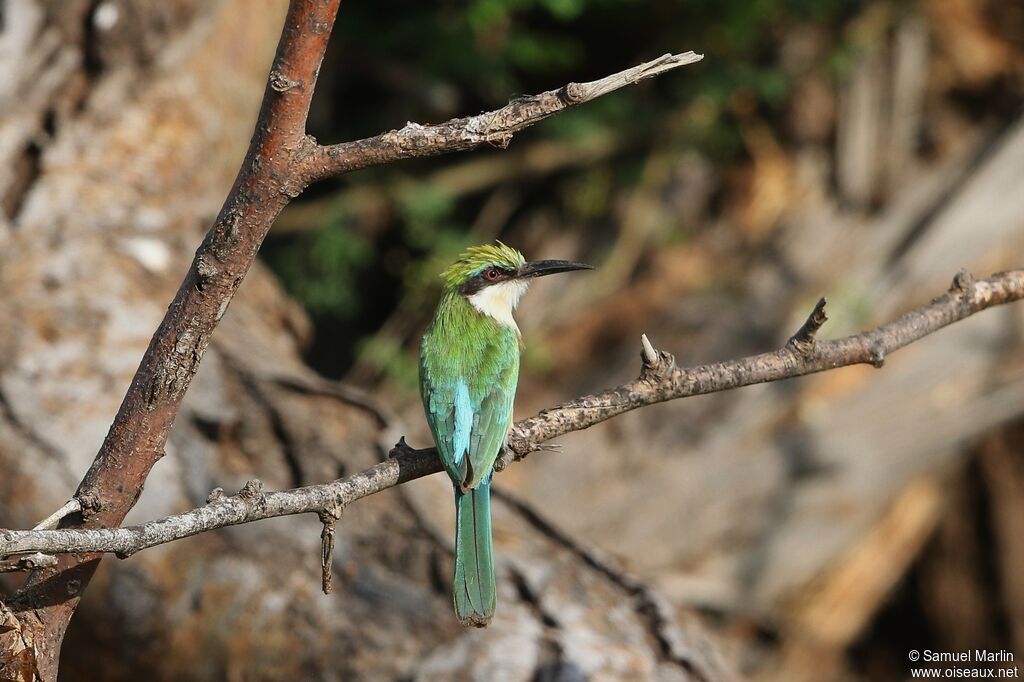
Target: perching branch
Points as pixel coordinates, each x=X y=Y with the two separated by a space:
x=281 y=162
x=801 y=355
x=30 y=562
x=660 y=380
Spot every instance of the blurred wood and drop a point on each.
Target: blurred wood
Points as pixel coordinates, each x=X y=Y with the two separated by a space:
x=829 y=409
x=956 y=591
x=639 y=223
x=747 y=503
x=769 y=183
x=1001 y=460
x=741 y=503
x=848 y=593
x=859 y=131
x=970 y=51
x=909 y=81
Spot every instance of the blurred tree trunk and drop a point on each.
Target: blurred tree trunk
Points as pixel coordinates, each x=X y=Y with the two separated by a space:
x=123 y=125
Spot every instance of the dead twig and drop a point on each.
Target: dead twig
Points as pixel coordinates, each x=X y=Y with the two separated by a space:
x=494 y=128
x=72 y=506
x=664 y=381
x=27 y=562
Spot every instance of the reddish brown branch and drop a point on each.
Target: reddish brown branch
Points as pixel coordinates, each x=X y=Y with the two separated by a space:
x=265 y=183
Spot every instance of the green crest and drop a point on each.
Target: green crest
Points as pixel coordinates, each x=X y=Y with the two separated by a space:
x=477 y=258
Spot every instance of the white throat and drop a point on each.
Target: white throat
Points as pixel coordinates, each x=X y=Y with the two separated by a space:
x=499 y=300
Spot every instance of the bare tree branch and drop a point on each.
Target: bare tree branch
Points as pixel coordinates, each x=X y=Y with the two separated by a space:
x=663 y=381
x=495 y=128
x=660 y=380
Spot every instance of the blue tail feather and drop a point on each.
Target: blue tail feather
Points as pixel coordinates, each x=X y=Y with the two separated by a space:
x=474 y=588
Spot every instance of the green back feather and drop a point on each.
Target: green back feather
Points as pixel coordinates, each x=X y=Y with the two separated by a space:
x=464 y=345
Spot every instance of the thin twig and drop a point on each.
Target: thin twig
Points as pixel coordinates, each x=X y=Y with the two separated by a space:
x=657 y=383
x=72 y=506
x=27 y=562
x=964 y=298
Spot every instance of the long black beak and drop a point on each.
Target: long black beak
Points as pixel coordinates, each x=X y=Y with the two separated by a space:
x=539 y=268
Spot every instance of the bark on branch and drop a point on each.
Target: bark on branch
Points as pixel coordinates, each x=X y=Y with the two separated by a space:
x=659 y=380
x=494 y=128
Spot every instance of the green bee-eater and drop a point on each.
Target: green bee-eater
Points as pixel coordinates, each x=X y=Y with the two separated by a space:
x=469 y=368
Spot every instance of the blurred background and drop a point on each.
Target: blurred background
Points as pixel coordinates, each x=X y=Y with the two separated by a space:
x=816 y=529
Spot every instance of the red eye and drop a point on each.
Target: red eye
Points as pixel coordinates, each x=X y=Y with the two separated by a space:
x=492 y=275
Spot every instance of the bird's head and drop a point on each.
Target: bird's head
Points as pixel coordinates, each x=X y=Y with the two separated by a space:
x=494 y=276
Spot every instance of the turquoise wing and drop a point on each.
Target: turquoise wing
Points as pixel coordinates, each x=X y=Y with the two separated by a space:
x=469 y=368
x=469 y=409
x=490 y=423
x=439 y=395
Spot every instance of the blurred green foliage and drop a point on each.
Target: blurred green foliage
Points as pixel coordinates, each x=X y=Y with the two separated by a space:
x=319 y=266
x=427 y=215
x=386 y=355
x=392 y=62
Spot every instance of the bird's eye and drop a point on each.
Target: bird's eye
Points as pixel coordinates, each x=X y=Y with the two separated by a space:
x=492 y=274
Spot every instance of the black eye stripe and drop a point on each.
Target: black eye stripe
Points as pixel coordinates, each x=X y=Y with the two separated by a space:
x=480 y=280
x=500 y=273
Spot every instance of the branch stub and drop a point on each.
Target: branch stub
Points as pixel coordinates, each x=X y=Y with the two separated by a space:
x=656 y=364
x=963 y=282
x=252 y=489
x=804 y=339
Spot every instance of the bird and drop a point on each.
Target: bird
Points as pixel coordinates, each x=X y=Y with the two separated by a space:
x=468 y=373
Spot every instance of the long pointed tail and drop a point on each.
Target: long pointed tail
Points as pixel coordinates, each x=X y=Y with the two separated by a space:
x=475 y=589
